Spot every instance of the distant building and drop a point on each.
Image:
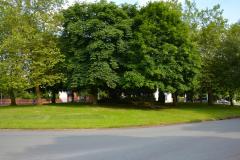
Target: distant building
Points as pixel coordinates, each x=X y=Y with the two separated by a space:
x=63 y=96
x=168 y=97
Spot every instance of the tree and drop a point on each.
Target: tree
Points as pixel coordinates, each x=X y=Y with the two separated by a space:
x=13 y=56
x=36 y=32
x=208 y=27
x=94 y=38
x=226 y=64
x=121 y=49
x=169 y=61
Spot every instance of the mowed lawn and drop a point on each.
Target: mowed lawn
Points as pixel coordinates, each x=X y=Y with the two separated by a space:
x=66 y=116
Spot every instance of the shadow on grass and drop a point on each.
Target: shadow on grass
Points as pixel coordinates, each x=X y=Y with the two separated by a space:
x=116 y=106
x=155 y=106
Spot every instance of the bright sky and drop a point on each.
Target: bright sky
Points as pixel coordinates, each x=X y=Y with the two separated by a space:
x=231 y=7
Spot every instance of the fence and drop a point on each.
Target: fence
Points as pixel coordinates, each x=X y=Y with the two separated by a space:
x=26 y=101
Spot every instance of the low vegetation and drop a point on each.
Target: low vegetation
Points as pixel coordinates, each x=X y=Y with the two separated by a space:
x=70 y=116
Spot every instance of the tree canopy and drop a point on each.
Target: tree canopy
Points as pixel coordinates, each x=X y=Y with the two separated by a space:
x=226 y=65
x=109 y=46
x=28 y=46
x=117 y=51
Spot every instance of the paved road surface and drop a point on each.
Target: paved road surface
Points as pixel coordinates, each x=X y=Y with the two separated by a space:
x=218 y=140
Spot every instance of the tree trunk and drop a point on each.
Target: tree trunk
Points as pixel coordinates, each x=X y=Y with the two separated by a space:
x=189 y=97
x=210 y=97
x=201 y=97
x=72 y=96
x=53 y=99
x=175 y=101
x=12 y=97
x=231 y=101
x=94 y=95
x=161 y=97
x=94 y=99
x=231 y=96
x=38 y=95
x=114 y=95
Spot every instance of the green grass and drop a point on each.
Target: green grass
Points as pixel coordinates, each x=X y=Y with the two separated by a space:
x=106 y=116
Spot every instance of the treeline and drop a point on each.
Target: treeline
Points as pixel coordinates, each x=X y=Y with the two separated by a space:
x=117 y=53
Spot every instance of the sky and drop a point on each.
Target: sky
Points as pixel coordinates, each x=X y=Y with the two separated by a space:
x=231 y=7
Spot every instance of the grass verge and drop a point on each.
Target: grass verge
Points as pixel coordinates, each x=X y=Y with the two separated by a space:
x=72 y=116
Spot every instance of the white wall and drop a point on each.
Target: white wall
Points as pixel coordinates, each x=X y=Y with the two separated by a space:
x=63 y=96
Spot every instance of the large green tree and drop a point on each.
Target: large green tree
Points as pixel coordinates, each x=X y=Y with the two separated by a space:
x=170 y=61
x=29 y=43
x=124 y=49
x=13 y=57
x=208 y=27
x=227 y=62
x=94 y=38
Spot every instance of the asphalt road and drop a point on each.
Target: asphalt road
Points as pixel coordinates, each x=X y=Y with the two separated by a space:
x=219 y=140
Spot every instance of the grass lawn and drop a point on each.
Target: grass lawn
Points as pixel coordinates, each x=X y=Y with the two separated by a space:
x=102 y=116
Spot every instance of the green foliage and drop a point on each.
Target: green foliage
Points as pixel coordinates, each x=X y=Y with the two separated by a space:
x=109 y=46
x=13 y=47
x=26 y=95
x=94 y=38
x=208 y=28
x=170 y=61
x=133 y=79
x=116 y=49
x=226 y=65
x=28 y=49
x=211 y=34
